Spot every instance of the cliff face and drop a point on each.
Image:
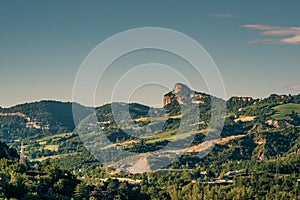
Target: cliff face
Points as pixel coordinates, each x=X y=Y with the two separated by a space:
x=183 y=95
x=167 y=100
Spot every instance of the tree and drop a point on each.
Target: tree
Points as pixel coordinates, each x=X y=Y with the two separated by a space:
x=81 y=191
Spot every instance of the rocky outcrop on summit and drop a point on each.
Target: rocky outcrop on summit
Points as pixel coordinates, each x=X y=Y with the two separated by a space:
x=183 y=95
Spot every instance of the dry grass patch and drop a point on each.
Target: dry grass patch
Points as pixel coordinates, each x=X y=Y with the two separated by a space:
x=51 y=147
x=41 y=159
x=245 y=119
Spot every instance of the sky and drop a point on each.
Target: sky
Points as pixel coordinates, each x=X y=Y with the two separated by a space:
x=255 y=44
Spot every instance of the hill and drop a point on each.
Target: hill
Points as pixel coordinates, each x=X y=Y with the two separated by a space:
x=257 y=154
x=38 y=118
x=264 y=134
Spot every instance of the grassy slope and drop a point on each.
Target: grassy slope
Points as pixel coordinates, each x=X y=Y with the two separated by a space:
x=282 y=111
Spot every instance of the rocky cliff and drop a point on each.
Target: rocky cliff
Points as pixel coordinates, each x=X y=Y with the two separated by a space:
x=183 y=95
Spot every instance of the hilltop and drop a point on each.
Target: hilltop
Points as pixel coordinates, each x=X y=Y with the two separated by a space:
x=38 y=118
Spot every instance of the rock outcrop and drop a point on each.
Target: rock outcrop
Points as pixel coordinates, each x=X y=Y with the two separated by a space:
x=183 y=95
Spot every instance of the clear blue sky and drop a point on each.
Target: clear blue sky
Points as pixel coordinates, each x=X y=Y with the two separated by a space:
x=255 y=44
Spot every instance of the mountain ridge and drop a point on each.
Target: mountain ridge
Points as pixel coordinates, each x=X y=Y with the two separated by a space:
x=259 y=143
x=38 y=119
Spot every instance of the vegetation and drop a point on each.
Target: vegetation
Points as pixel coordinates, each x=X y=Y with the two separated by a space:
x=257 y=156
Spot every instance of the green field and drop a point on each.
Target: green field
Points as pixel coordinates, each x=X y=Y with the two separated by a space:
x=53 y=137
x=282 y=111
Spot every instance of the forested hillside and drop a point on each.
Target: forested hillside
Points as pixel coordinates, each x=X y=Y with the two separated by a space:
x=257 y=155
x=39 y=118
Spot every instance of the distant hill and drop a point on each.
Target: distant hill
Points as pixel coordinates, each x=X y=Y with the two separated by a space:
x=252 y=129
x=258 y=149
x=45 y=117
x=256 y=129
